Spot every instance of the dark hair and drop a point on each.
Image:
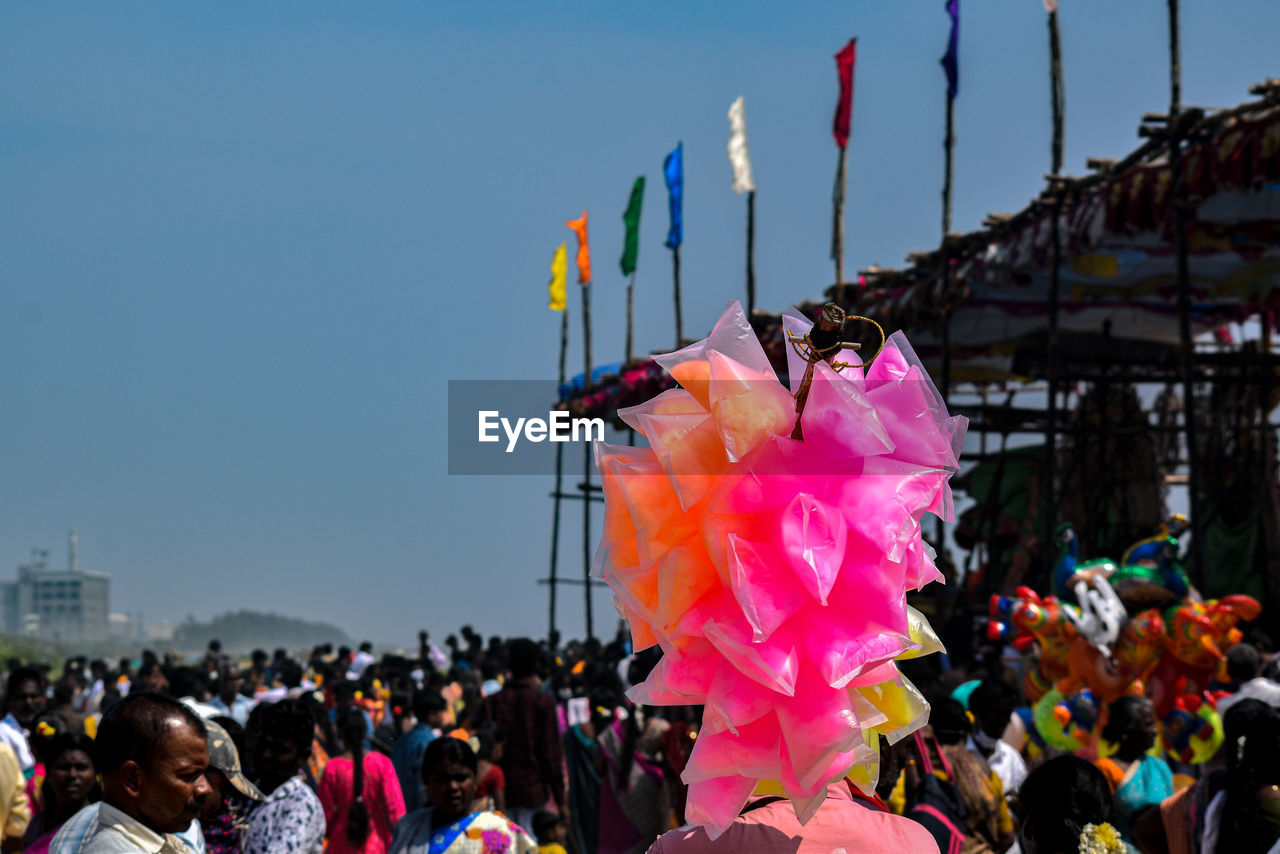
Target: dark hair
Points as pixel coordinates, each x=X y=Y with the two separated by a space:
x=148 y=667
x=1257 y=764
x=1122 y=716
x=447 y=749
x=490 y=735
x=427 y=703
x=63 y=694
x=544 y=822
x=1060 y=797
x=522 y=657
x=1235 y=721
x=291 y=674
x=1243 y=662
x=354 y=729
x=950 y=721
x=19 y=675
x=187 y=682
x=55 y=723
x=134 y=729
x=290 y=720
x=989 y=694
x=65 y=743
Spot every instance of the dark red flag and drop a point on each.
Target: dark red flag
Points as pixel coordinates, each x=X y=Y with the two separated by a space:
x=845 y=59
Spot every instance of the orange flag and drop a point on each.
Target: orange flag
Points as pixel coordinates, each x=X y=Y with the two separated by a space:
x=579 y=227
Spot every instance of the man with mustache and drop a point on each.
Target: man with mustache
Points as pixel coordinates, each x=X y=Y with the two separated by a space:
x=152 y=753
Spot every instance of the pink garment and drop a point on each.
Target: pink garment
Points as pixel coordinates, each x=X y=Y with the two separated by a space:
x=41 y=844
x=838 y=825
x=381 y=795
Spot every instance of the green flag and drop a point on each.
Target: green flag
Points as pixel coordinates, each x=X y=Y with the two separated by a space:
x=631 y=247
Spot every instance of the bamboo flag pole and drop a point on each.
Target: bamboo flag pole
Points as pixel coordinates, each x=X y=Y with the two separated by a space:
x=845 y=61
x=587 y=463
x=584 y=279
x=558 y=302
x=1056 y=96
x=837 y=223
x=951 y=65
x=751 y=253
x=1048 y=495
x=555 y=506
x=673 y=174
x=949 y=145
x=1187 y=340
x=631 y=294
x=675 y=278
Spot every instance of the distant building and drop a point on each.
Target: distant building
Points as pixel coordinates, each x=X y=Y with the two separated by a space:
x=56 y=604
x=125 y=626
x=161 y=630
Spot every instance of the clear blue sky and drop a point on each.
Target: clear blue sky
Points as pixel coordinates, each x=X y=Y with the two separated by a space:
x=244 y=246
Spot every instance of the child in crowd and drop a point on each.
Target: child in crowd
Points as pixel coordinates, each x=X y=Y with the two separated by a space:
x=550 y=831
x=491 y=784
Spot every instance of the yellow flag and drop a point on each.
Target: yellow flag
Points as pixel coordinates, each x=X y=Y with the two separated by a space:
x=559 y=269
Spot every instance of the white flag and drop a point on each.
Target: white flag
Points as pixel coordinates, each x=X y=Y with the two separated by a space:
x=738 y=156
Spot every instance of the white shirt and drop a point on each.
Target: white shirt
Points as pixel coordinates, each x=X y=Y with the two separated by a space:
x=12 y=734
x=290 y=821
x=359 y=664
x=238 y=711
x=1255 y=689
x=1006 y=762
x=102 y=829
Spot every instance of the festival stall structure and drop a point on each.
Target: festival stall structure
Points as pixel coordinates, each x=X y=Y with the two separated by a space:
x=1108 y=352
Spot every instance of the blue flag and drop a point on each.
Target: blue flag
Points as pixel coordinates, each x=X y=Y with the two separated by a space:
x=673 y=172
x=950 y=60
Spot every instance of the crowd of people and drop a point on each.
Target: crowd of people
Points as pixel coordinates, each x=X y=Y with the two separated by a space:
x=512 y=745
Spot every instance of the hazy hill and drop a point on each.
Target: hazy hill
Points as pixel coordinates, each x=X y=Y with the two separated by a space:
x=243 y=631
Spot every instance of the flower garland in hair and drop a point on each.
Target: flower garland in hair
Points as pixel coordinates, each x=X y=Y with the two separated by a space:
x=1100 y=839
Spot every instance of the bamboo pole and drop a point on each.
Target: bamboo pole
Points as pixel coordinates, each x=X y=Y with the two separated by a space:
x=837 y=222
x=1048 y=493
x=587 y=462
x=631 y=293
x=948 y=144
x=1057 y=98
x=751 y=252
x=675 y=277
x=1187 y=341
x=555 y=506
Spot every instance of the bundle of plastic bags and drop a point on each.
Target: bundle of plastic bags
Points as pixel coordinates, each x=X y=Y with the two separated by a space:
x=772 y=571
